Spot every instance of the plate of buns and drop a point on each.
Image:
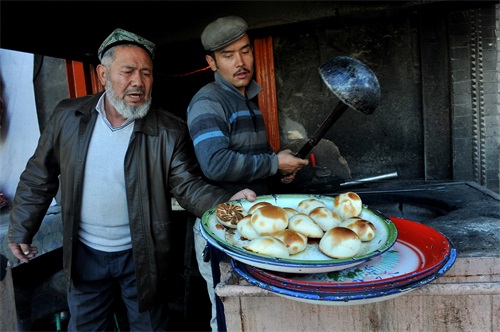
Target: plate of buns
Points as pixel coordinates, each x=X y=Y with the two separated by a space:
x=299 y=233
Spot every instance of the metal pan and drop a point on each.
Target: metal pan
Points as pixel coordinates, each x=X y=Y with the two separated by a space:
x=354 y=84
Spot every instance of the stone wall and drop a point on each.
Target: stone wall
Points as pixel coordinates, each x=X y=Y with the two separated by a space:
x=438 y=118
x=475 y=106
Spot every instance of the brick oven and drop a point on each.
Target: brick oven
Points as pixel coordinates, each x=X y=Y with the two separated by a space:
x=438 y=116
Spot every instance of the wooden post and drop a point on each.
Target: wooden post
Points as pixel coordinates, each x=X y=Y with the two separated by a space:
x=264 y=75
x=82 y=80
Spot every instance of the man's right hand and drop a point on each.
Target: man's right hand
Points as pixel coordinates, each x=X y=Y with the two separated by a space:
x=289 y=164
x=23 y=251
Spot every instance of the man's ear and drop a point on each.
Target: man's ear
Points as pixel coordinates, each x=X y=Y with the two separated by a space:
x=211 y=62
x=101 y=74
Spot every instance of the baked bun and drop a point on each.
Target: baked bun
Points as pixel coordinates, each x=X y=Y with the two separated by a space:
x=229 y=214
x=268 y=245
x=246 y=229
x=347 y=205
x=269 y=219
x=302 y=223
x=340 y=242
x=307 y=205
x=257 y=206
x=364 y=228
x=294 y=241
x=290 y=212
x=325 y=218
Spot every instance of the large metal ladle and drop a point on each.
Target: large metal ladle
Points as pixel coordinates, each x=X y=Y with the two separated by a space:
x=354 y=84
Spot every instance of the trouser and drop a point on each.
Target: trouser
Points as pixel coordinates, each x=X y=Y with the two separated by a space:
x=211 y=273
x=97 y=278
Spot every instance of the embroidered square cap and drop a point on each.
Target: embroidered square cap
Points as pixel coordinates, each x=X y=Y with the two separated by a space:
x=222 y=32
x=122 y=37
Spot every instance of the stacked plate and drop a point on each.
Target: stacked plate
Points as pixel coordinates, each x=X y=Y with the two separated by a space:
x=420 y=255
x=403 y=256
x=311 y=260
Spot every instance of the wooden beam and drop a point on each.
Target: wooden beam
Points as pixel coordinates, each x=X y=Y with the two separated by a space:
x=81 y=80
x=76 y=79
x=264 y=75
x=94 y=81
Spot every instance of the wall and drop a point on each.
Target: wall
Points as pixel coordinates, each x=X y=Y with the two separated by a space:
x=476 y=116
x=19 y=133
x=33 y=85
x=390 y=139
x=438 y=117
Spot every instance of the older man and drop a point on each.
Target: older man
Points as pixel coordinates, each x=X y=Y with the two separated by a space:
x=119 y=160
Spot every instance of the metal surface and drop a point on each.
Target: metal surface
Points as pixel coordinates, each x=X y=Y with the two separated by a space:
x=370 y=179
x=354 y=84
x=468 y=213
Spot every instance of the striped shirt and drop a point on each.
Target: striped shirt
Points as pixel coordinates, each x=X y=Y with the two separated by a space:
x=229 y=137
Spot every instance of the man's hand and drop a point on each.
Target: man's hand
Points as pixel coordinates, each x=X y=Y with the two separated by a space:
x=289 y=165
x=23 y=251
x=288 y=178
x=248 y=194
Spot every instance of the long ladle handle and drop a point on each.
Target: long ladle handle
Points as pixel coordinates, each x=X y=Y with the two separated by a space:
x=321 y=131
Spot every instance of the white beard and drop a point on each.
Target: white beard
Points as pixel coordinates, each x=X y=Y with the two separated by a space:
x=127 y=111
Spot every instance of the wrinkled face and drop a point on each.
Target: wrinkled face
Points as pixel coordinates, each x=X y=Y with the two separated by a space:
x=235 y=63
x=128 y=79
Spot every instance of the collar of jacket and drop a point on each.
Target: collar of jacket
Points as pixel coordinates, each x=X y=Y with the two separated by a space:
x=147 y=125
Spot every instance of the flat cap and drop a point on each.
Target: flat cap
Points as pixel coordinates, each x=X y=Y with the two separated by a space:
x=122 y=37
x=222 y=32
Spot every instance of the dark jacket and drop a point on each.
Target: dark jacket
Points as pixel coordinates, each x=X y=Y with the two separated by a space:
x=159 y=163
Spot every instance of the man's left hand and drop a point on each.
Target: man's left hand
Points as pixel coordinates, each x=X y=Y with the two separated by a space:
x=288 y=178
x=248 y=194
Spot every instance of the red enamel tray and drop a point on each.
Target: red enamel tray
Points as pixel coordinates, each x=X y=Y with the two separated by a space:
x=419 y=251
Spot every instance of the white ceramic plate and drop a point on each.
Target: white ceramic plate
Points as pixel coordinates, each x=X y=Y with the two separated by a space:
x=312 y=260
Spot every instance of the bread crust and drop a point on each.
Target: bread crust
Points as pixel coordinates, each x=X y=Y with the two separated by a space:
x=229 y=214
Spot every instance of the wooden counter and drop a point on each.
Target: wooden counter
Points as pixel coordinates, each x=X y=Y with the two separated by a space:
x=466 y=298
x=8 y=314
